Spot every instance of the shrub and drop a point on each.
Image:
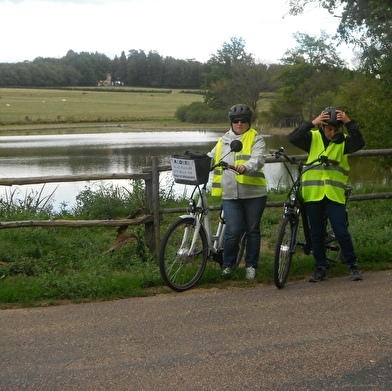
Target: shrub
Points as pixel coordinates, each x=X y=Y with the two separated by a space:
x=109 y=201
x=199 y=112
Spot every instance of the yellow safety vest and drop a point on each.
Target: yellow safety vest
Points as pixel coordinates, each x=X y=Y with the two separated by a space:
x=323 y=180
x=255 y=178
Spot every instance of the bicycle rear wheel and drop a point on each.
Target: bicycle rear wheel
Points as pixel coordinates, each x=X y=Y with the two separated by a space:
x=283 y=251
x=180 y=268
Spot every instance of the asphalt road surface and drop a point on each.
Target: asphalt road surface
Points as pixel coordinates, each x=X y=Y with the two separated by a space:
x=332 y=335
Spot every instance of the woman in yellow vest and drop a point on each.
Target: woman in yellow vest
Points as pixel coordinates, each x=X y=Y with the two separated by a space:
x=244 y=196
x=323 y=187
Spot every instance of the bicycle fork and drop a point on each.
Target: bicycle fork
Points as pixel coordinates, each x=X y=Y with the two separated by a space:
x=294 y=215
x=195 y=233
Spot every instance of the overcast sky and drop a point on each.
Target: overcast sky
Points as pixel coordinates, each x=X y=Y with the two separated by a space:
x=183 y=29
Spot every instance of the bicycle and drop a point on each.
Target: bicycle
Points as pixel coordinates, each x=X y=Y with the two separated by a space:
x=294 y=214
x=189 y=242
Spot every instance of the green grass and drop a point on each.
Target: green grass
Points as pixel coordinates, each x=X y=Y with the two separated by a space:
x=49 y=266
x=29 y=106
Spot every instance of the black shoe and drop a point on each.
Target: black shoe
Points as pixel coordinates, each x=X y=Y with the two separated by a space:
x=355 y=273
x=319 y=275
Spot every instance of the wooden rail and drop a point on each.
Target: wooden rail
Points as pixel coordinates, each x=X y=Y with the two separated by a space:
x=150 y=174
x=151 y=220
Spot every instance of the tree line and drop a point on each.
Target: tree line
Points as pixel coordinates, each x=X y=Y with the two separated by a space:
x=90 y=69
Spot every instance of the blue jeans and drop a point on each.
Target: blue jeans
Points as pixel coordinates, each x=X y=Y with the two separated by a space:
x=241 y=212
x=337 y=216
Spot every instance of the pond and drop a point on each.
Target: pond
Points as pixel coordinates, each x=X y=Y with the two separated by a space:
x=102 y=153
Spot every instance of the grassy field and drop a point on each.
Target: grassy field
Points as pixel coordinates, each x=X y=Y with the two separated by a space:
x=31 y=111
x=24 y=106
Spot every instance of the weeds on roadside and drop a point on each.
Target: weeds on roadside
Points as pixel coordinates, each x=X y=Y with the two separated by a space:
x=17 y=206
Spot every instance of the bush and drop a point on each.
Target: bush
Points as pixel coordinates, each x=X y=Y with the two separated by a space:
x=109 y=202
x=199 y=112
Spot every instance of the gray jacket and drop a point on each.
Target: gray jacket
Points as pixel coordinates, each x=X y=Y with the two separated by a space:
x=231 y=189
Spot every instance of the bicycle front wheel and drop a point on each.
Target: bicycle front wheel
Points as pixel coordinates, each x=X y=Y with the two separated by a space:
x=180 y=265
x=283 y=251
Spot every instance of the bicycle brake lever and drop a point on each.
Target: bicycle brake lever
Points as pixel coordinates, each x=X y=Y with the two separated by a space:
x=324 y=160
x=224 y=165
x=275 y=153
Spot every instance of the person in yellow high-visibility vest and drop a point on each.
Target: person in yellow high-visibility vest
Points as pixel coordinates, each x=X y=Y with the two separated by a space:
x=244 y=196
x=323 y=187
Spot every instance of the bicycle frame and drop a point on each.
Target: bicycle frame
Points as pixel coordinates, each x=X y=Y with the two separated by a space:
x=200 y=211
x=295 y=209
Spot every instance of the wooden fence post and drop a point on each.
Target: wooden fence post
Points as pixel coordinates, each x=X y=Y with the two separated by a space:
x=155 y=202
x=149 y=227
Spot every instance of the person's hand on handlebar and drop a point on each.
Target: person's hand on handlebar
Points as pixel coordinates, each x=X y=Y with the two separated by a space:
x=241 y=169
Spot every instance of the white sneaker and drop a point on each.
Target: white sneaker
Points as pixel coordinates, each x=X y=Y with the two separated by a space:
x=250 y=273
x=226 y=271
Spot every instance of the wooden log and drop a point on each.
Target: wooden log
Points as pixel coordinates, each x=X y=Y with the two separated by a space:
x=76 y=223
x=69 y=178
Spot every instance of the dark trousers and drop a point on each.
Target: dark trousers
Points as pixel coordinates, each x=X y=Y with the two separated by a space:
x=237 y=213
x=337 y=216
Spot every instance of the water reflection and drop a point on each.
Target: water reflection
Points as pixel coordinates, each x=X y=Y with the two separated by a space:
x=30 y=156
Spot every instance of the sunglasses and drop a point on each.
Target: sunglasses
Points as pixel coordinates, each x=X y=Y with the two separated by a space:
x=242 y=120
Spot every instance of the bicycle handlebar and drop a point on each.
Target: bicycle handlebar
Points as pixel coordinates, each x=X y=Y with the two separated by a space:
x=292 y=160
x=225 y=166
x=235 y=146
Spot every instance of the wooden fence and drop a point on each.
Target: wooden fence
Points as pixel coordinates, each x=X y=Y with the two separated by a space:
x=150 y=175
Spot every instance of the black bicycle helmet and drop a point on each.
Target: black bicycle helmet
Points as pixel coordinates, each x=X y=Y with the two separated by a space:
x=332 y=114
x=242 y=111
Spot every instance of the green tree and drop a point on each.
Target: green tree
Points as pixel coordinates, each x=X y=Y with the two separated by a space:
x=320 y=52
x=310 y=69
x=233 y=77
x=155 y=69
x=367 y=24
x=137 y=68
x=361 y=99
x=119 y=68
x=23 y=72
x=244 y=84
x=8 y=76
x=230 y=54
x=93 y=67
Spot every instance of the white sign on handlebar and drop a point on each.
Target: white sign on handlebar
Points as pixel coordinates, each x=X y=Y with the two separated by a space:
x=183 y=169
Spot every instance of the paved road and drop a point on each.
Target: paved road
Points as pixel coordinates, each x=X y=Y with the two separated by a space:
x=334 y=335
